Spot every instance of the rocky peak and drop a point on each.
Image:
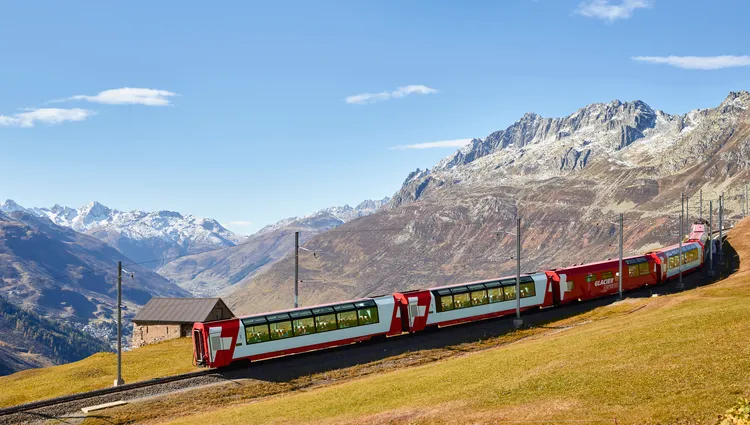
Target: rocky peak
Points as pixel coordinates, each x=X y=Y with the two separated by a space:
x=627 y=120
x=736 y=100
x=10 y=206
x=328 y=217
x=93 y=212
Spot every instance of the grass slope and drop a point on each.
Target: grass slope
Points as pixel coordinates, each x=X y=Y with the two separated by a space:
x=98 y=371
x=679 y=358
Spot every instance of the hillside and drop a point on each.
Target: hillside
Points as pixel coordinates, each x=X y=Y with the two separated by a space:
x=452 y=223
x=211 y=273
x=162 y=359
x=28 y=341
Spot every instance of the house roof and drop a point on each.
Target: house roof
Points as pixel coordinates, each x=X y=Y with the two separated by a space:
x=178 y=310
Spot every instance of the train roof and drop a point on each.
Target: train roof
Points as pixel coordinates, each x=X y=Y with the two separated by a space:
x=686 y=246
x=603 y=263
x=453 y=285
x=309 y=307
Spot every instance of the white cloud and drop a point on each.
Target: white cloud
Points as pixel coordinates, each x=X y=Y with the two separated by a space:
x=431 y=145
x=606 y=9
x=361 y=99
x=48 y=116
x=697 y=62
x=241 y=223
x=128 y=96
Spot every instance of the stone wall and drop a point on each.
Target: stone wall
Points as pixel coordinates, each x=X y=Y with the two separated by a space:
x=150 y=333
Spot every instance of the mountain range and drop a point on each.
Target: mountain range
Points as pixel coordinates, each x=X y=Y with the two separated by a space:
x=141 y=236
x=567 y=179
x=215 y=272
x=198 y=254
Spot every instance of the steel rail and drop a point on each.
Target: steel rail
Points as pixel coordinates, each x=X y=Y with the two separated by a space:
x=101 y=392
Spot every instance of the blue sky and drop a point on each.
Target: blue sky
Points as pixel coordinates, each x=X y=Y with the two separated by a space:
x=251 y=112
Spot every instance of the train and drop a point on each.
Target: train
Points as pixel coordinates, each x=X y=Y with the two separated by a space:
x=286 y=332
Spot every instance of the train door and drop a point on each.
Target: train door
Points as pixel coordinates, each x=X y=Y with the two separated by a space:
x=199 y=348
x=553 y=284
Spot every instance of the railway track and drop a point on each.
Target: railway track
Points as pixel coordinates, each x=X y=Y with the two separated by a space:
x=61 y=406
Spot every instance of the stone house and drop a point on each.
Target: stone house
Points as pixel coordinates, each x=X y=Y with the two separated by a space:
x=167 y=318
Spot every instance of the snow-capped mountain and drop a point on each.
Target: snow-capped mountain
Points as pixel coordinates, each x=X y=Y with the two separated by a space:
x=328 y=217
x=210 y=273
x=140 y=235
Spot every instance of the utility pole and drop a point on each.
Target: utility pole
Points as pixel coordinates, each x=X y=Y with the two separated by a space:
x=687 y=212
x=621 y=277
x=682 y=223
x=721 y=229
x=710 y=238
x=296 y=269
x=518 y=322
x=119 y=381
x=700 y=212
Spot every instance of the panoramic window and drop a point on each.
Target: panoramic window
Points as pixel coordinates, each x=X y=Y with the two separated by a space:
x=528 y=290
x=591 y=277
x=509 y=292
x=367 y=315
x=367 y=312
x=461 y=300
x=446 y=302
x=479 y=297
x=304 y=326
x=633 y=270
x=302 y=322
x=607 y=275
x=346 y=314
x=326 y=322
x=257 y=333
x=643 y=269
x=347 y=319
x=281 y=330
x=495 y=294
x=325 y=319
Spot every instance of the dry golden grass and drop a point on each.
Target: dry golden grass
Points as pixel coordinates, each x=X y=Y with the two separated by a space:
x=98 y=371
x=682 y=358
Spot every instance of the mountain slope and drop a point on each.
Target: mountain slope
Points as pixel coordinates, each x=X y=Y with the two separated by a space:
x=211 y=273
x=29 y=341
x=141 y=236
x=567 y=178
x=57 y=272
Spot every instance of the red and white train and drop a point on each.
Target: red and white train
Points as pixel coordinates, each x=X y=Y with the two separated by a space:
x=286 y=332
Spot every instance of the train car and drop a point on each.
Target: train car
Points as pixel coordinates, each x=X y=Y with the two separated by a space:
x=669 y=259
x=587 y=281
x=466 y=302
x=263 y=336
x=700 y=233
